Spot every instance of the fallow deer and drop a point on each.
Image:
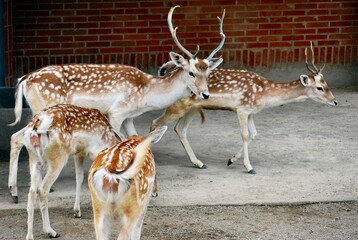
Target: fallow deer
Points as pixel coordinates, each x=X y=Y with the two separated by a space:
x=50 y=138
x=245 y=93
x=121 y=180
x=120 y=92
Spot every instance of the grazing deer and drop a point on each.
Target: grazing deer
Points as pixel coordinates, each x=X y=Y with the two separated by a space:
x=120 y=92
x=121 y=180
x=50 y=138
x=245 y=93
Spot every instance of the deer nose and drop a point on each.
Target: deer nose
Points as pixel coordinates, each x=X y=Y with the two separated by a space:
x=205 y=96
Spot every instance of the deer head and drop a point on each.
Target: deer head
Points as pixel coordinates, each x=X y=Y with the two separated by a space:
x=197 y=69
x=315 y=86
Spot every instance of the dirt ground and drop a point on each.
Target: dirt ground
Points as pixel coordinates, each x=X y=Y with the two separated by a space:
x=328 y=221
x=306 y=186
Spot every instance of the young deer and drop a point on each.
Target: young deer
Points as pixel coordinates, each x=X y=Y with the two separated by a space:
x=245 y=93
x=121 y=180
x=120 y=92
x=51 y=138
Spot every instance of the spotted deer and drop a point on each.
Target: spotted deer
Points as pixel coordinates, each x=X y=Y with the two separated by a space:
x=121 y=180
x=120 y=92
x=245 y=93
x=54 y=135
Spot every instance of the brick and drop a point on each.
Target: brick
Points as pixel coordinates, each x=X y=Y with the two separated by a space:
x=306 y=6
x=294 y=13
x=86 y=51
x=281 y=19
x=340 y=24
x=62 y=13
x=73 y=19
x=269 y=38
x=99 y=31
x=316 y=37
x=73 y=45
x=111 y=50
x=292 y=37
x=257 y=45
x=87 y=12
x=48 y=45
x=280 y=44
x=256 y=32
x=62 y=51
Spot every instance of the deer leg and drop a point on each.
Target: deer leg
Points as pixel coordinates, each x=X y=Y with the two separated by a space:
x=54 y=169
x=128 y=126
x=170 y=114
x=252 y=134
x=16 y=144
x=36 y=178
x=181 y=129
x=79 y=180
x=248 y=132
x=251 y=126
x=101 y=225
x=137 y=229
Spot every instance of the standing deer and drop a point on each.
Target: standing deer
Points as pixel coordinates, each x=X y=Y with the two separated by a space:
x=120 y=92
x=121 y=180
x=52 y=136
x=245 y=93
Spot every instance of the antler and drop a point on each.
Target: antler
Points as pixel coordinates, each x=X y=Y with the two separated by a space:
x=173 y=31
x=221 y=21
x=317 y=70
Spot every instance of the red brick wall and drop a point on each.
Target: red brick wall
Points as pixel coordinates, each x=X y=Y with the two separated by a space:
x=259 y=33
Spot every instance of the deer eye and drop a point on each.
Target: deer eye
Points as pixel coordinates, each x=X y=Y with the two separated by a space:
x=319 y=89
x=191 y=74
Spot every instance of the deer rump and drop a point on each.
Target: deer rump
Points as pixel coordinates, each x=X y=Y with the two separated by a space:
x=36 y=135
x=110 y=186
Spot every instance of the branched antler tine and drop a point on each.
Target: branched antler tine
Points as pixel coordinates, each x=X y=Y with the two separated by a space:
x=173 y=31
x=317 y=70
x=221 y=21
x=321 y=69
x=306 y=60
x=197 y=51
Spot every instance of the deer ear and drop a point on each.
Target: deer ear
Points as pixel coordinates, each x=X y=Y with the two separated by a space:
x=157 y=134
x=214 y=63
x=305 y=80
x=177 y=59
x=166 y=67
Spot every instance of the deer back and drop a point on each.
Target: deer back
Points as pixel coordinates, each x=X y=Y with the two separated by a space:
x=75 y=128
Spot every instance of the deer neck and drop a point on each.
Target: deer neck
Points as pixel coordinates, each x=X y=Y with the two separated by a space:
x=166 y=90
x=277 y=94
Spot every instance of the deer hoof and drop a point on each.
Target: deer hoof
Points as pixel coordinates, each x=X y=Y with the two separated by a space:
x=252 y=171
x=204 y=167
x=15 y=198
x=154 y=195
x=229 y=162
x=52 y=190
x=77 y=214
x=55 y=236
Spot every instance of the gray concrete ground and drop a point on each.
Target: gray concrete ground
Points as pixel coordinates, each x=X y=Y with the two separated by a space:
x=304 y=153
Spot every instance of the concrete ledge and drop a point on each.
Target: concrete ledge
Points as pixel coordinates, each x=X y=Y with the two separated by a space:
x=7 y=116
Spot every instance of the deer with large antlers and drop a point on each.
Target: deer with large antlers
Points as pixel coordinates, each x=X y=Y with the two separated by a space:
x=53 y=135
x=120 y=92
x=245 y=93
x=121 y=180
